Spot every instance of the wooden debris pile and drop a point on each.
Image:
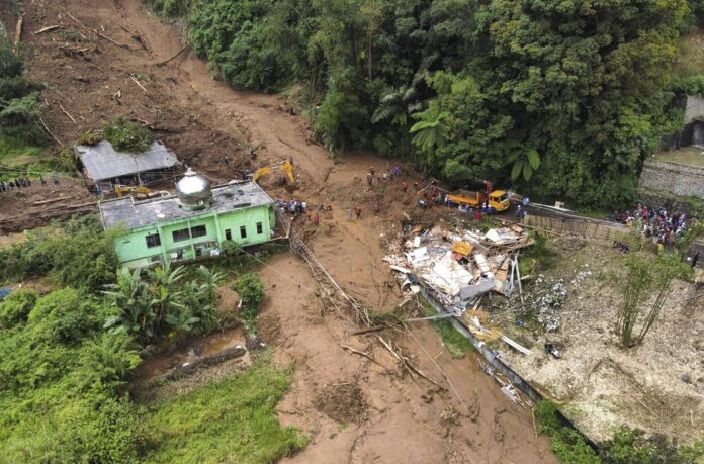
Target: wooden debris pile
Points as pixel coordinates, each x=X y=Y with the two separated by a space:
x=460 y=265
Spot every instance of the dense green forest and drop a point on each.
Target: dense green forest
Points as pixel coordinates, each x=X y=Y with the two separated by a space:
x=563 y=99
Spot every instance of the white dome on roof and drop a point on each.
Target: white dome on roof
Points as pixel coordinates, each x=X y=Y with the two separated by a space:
x=194 y=191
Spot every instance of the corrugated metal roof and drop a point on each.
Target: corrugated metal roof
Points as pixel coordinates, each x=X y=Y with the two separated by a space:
x=102 y=162
x=133 y=214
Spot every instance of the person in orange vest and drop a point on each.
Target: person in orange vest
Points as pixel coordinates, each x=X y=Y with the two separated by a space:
x=357 y=211
x=404 y=186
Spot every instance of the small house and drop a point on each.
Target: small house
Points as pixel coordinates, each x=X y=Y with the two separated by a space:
x=194 y=223
x=103 y=167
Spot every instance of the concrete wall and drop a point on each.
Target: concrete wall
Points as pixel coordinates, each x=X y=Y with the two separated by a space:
x=694 y=108
x=674 y=178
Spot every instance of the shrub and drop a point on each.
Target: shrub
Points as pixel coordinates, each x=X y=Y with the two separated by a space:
x=569 y=446
x=76 y=253
x=63 y=315
x=169 y=7
x=251 y=290
x=629 y=446
x=19 y=99
x=15 y=307
x=89 y=138
x=66 y=160
x=128 y=136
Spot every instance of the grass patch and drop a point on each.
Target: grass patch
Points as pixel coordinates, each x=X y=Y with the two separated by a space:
x=537 y=258
x=688 y=156
x=569 y=446
x=14 y=151
x=23 y=160
x=454 y=341
x=232 y=420
x=593 y=213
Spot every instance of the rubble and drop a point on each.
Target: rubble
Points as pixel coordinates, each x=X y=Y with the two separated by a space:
x=546 y=300
x=459 y=265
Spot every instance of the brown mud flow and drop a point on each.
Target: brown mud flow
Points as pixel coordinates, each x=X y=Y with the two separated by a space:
x=212 y=128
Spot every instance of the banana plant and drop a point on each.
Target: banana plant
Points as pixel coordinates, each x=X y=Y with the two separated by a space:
x=130 y=295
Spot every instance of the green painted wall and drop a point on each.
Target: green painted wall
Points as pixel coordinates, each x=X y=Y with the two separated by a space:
x=132 y=249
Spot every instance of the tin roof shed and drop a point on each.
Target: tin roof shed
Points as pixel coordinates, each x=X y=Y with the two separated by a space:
x=102 y=162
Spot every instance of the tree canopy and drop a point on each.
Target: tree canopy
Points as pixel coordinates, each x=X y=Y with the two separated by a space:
x=562 y=98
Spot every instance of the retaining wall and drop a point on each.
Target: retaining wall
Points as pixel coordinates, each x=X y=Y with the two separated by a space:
x=675 y=178
x=586 y=227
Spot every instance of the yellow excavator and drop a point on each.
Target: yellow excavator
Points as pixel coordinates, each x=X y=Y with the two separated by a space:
x=139 y=192
x=285 y=166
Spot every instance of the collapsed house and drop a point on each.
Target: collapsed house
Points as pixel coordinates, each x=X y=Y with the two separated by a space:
x=456 y=267
x=103 y=168
x=460 y=265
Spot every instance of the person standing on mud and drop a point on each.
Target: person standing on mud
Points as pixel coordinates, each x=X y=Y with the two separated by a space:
x=370 y=178
x=404 y=186
x=357 y=211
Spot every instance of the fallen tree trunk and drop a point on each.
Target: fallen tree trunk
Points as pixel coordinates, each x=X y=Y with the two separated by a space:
x=18 y=31
x=48 y=28
x=52 y=200
x=164 y=63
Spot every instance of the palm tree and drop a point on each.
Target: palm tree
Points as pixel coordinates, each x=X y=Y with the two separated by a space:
x=399 y=103
x=430 y=130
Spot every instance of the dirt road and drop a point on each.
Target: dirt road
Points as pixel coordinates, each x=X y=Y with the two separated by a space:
x=354 y=410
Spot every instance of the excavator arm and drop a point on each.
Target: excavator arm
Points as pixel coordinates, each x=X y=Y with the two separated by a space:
x=261 y=172
x=285 y=166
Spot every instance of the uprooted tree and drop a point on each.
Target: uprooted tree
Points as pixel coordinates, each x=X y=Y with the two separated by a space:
x=645 y=277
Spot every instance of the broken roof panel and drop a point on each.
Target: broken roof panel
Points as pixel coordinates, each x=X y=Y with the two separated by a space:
x=102 y=162
x=134 y=214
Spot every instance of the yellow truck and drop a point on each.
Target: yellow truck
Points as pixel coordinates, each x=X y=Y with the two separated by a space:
x=499 y=200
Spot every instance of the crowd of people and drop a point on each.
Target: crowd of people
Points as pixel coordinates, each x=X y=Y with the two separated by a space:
x=383 y=176
x=661 y=226
x=24 y=182
x=301 y=209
